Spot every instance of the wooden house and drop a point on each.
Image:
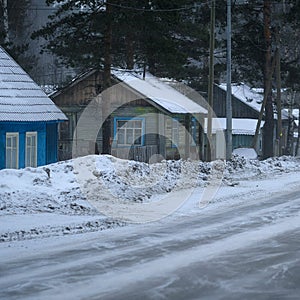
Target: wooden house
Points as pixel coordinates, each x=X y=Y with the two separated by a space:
x=28 y=119
x=144 y=118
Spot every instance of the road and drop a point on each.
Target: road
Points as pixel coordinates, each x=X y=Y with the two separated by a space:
x=248 y=251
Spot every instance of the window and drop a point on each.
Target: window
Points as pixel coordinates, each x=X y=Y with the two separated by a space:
x=175 y=133
x=129 y=132
x=172 y=132
x=12 y=150
x=194 y=131
x=31 y=149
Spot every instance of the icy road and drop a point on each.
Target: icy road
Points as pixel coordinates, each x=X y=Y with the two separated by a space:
x=245 y=251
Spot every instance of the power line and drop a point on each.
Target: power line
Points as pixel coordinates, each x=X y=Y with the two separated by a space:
x=119 y=6
x=152 y=9
x=190 y=7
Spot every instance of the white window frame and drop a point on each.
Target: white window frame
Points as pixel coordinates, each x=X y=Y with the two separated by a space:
x=10 y=135
x=31 y=162
x=137 y=132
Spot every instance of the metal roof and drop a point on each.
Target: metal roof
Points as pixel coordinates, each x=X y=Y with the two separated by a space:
x=159 y=92
x=252 y=97
x=21 y=99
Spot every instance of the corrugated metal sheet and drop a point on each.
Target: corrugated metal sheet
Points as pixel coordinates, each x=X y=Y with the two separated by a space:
x=21 y=99
x=159 y=92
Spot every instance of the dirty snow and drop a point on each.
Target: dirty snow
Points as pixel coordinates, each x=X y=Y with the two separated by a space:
x=56 y=199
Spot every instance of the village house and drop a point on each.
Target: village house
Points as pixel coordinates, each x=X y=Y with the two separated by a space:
x=246 y=106
x=28 y=119
x=145 y=118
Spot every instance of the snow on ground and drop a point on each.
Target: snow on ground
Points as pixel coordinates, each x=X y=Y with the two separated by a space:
x=57 y=199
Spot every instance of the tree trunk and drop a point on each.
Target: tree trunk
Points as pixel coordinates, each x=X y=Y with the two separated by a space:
x=268 y=150
x=290 y=135
x=298 y=137
x=5 y=22
x=129 y=51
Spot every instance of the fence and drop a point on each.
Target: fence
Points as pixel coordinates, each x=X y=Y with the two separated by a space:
x=142 y=153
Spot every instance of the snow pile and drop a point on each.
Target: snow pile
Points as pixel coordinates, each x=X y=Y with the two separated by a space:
x=242 y=168
x=65 y=187
x=137 y=181
x=57 y=199
x=31 y=190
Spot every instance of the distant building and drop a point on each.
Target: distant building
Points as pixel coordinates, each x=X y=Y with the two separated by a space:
x=246 y=104
x=28 y=119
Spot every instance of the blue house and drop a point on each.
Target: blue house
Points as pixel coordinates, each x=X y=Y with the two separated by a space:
x=28 y=119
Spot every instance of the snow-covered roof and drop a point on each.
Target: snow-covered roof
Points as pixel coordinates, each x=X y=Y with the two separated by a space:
x=295 y=112
x=21 y=99
x=239 y=126
x=245 y=94
x=253 y=97
x=159 y=92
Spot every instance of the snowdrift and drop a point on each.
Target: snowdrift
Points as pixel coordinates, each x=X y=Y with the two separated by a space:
x=66 y=188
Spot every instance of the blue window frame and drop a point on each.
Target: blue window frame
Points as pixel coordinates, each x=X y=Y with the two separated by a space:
x=129 y=131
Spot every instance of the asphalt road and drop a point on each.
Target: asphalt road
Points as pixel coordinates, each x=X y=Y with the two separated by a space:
x=250 y=251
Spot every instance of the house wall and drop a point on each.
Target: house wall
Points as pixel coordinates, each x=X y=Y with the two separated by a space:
x=51 y=142
x=22 y=128
x=46 y=141
x=242 y=141
x=239 y=109
x=143 y=111
x=148 y=113
x=81 y=93
x=66 y=131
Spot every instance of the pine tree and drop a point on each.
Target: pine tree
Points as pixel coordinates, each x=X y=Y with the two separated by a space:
x=256 y=25
x=12 y=15
x=152 y=33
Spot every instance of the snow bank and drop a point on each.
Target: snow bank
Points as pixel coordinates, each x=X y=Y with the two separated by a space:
x=61 y=192
x=242 y=168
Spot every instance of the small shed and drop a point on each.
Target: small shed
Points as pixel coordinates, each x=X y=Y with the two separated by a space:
x=243 y=131
x=28 y=119
x=246 y=104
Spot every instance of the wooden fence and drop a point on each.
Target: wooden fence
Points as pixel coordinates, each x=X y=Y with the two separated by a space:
x=142 y=153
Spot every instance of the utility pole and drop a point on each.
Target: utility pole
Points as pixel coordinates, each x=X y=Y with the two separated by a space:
x=298 y=137
x=106 y=133
x=228 y=89
x=211 y=81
